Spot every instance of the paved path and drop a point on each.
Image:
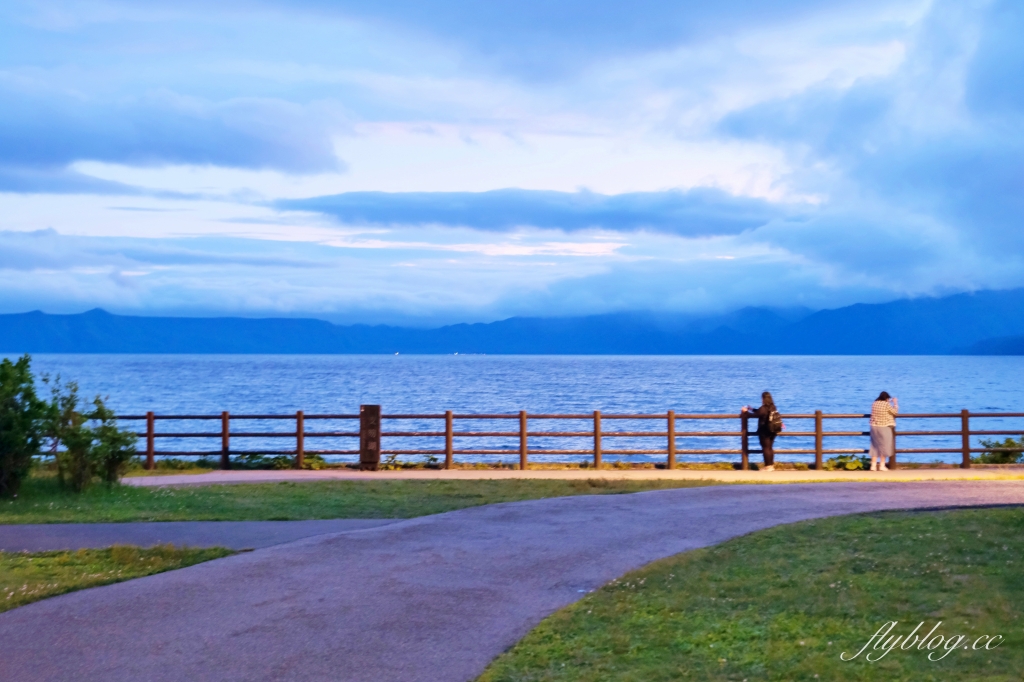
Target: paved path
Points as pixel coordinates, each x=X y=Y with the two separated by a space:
x=432 y=599
x=729 y=476
x=234 y=534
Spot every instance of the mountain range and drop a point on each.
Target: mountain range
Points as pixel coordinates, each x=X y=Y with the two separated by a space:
x=984 y=323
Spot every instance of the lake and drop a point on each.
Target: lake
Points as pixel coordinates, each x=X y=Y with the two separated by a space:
x=280 y=384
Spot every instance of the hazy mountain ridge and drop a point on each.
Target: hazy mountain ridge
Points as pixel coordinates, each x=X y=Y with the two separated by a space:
x=988 y=322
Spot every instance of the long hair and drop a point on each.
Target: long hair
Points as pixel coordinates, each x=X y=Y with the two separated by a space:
x=766 y=399
x=883 y=396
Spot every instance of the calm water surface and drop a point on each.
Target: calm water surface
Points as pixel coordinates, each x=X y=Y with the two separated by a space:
x=271 y=384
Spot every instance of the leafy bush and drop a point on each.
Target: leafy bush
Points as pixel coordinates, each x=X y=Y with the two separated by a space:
x=278 y=462
x=85 y=444
x=114 y=448
x=1000 y=452
x=315 y=462
x=392 y=463
x=847 y=462
x=22 y=415
x=178 y=463
x=252 y=461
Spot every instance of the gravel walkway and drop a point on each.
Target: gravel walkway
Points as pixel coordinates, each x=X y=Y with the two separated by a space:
x=990 y=472
x=233 y=534
x=432 y=599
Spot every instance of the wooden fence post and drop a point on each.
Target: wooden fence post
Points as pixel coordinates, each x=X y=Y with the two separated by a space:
x=449 y=438
x=150 y=441
x=597 y=439
x=300 y=439
x=671 y=464
x=369 y=437
x=819 y=438
x=225 y=440
x=965 y=438
x=523 y=450
x=744 y=443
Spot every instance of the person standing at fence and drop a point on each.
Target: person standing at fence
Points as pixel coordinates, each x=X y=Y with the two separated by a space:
x=883 y=430
x=769 y=424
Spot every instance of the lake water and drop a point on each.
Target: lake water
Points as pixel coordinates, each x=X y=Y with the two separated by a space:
x=466 y=384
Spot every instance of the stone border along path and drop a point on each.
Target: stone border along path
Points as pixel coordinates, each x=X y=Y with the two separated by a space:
x=431 y=599
x=726 y=476
x=42 y=537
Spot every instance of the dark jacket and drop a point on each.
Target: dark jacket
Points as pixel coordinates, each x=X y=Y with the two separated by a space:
x=762 y=420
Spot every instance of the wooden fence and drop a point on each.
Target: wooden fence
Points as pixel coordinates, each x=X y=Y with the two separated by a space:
x=600 y=440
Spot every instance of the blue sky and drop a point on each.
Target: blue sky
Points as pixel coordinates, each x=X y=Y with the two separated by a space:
x=433 y=161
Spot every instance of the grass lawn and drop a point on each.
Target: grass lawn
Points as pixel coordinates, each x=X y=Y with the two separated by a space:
x=42 y=501
x=782 y=604
x=28 y=577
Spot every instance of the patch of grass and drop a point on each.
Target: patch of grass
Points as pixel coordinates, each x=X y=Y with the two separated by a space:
x=42 y=501
x=25 y=578
x=782 y=604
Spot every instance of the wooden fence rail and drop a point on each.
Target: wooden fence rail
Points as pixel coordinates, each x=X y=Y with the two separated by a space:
x=370 y=434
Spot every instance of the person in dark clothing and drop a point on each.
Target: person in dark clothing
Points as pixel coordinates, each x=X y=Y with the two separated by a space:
x=767 y=418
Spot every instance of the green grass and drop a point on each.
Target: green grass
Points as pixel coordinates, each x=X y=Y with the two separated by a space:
x=782 y=604
x=26 y=578
x=42 y=501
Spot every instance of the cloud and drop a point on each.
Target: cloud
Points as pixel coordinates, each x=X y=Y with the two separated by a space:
x=697 y=286
x=48 y=180
x=50 y=250
x=203 y=276
x=993 y=85
x=698 y=212
x=937 y=143
x=539 y=39
x=43 y=129
x=889 y=141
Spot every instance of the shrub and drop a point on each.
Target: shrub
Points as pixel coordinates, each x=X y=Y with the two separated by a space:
x=86 y=444
x=1005 y=452
x=177 y=463
x=126 y=555
x=255 y=460
x=114 y=448
x=22 y=416
x=261 y=461
x=315 y=462
x=390 y=462
x=847 y=462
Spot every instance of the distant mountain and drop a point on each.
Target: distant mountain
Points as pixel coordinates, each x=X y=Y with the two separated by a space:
x=983 y=323
x=922 y=326
x=1006 y=345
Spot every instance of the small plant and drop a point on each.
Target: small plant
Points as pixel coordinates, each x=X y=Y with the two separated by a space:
x=257 y=460
x=1006 y=452
x=314 y=462
x=85 y=444
x=847 y=463
x=125 y=555
x=179 y=464
x=114 y=448
x=21 y=423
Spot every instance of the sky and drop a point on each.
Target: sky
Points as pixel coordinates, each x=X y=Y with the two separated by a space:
x=424 y=162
